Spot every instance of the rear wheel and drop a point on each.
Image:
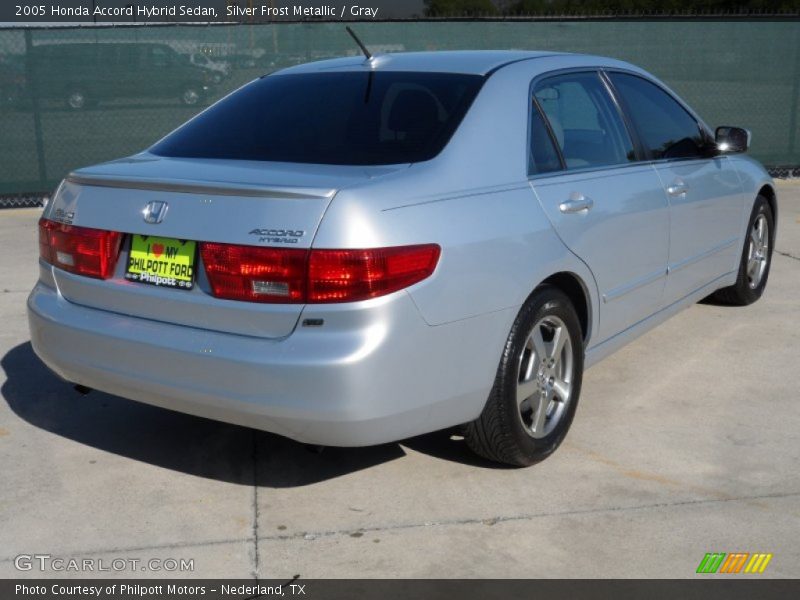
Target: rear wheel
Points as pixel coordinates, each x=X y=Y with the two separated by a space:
x=537 y=386
x=755 y=260
x=190 y=95
x=77 y=98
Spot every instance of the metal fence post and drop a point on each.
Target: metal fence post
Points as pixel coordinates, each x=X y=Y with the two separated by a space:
x=33 y=87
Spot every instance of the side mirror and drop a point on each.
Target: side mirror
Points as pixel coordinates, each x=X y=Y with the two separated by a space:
x=732 y=140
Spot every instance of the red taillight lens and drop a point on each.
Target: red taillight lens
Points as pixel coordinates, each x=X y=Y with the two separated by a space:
x=351 y=275
x=287 y=275
x=81 y=250
x=255 y=274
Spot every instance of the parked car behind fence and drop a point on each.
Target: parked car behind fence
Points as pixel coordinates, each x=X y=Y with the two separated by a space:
x=81 y=75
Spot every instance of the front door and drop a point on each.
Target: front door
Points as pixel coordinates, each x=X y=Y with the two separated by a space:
x=703 y=192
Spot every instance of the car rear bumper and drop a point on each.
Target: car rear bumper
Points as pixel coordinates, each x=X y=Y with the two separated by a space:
x=371 y=374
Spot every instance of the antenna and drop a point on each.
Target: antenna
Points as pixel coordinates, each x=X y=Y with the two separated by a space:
x=359 y=42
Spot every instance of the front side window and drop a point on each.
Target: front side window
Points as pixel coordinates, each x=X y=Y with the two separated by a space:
x=664 y=126
x=584 y=120
x=342 y=118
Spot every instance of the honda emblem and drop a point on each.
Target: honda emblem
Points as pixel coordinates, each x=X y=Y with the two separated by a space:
x=155 y=212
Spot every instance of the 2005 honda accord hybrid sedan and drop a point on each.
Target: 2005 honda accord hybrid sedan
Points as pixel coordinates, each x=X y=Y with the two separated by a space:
x=353 y=251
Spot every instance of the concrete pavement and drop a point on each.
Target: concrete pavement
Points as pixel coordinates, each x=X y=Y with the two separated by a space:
x=686 y=441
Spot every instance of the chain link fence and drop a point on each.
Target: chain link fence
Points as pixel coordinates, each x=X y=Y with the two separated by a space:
x=74 y=96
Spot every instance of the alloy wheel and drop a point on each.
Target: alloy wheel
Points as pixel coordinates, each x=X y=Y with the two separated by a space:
x=544 y=381
x=190 y=97
x=76 y=100
x=758 y=251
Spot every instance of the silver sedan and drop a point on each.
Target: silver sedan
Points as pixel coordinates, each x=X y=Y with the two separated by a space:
x=357 y=251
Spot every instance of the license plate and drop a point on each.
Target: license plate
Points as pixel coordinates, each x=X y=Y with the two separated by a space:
x=164 y=262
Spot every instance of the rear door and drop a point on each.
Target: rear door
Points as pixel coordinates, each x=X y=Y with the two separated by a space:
x=157 y=72
x=703 y=192
x=123 y=76
x=609 y=209
x=109 y=83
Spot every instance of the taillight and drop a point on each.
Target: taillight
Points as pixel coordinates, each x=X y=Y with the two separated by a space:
x=287 y=275
x=255 y=274
x=81 y=250
x=350 y=275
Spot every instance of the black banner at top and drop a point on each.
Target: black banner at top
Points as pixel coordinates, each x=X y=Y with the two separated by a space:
x=41 y=12
x=111 y=12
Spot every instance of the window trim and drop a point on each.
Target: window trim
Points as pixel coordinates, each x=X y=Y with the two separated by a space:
x=551 y=136
x=702 y=127
x=639 y=148
x=534 y=105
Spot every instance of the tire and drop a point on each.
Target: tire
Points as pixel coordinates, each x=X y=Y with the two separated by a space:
x=77 y=98
x=190 y=95
x=756 y=258
x=512 y=434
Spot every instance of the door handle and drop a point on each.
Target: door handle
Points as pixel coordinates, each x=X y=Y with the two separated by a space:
x=678 y=188
x=576 y=203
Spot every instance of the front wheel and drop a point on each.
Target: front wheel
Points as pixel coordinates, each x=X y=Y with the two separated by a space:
x=755 y=260
x=537 y=386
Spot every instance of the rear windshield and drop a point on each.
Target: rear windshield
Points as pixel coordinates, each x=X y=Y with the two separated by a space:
x=344 y=118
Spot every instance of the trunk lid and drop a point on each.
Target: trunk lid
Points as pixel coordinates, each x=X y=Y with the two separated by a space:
x=208 y=200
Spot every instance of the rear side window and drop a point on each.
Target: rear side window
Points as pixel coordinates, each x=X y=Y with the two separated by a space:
x=663 y=125
x=343 y=118
x=157 y=56
x=543 y=154
x=585 y=121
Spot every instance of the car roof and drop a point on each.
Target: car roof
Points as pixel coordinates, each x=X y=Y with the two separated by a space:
x=478 y=62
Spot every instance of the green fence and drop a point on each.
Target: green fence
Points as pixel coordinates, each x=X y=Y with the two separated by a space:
x=75 y=96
